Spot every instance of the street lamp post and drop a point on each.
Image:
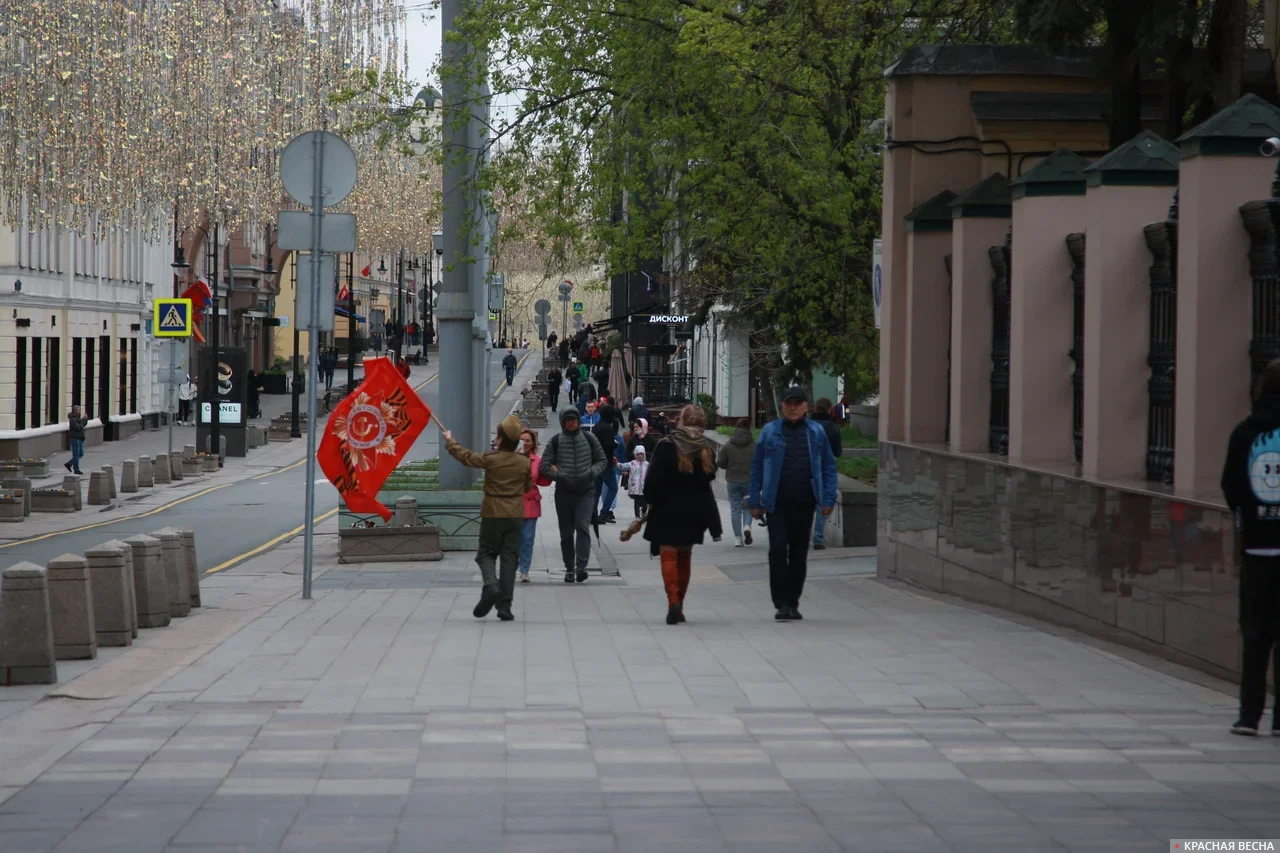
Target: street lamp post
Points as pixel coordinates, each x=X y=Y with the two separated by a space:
x=294 y=430
x=351 y=322
x=215 y=405
x=179 y=265
x=400 y=305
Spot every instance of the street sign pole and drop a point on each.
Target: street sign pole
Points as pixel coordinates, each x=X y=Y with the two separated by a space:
x=317 y=211
x=173 y=362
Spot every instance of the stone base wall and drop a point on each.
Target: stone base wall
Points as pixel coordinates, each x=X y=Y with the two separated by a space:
x=1139 y=568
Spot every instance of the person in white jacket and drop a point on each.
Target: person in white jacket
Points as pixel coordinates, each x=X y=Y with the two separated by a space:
x=186 y=393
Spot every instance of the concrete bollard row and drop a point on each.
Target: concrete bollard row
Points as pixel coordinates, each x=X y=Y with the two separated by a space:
x=175 y=571
x=71 y=483
x=129 y=476
x=111 y=596
x=160 y=470
x=99 y=491
x=175 y=465
x=110 y=471
x=146 y=474
x=151 y=588
x=26 y=631
x=71 y=608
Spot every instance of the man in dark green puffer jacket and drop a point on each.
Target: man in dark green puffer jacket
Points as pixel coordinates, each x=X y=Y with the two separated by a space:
x=573 y=459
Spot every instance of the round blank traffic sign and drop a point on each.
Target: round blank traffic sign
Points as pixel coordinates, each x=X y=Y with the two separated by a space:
x=337 y=164
x=542 y=307
x=566 y=287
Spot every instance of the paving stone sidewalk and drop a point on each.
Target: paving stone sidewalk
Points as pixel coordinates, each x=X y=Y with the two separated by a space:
x=380 y=716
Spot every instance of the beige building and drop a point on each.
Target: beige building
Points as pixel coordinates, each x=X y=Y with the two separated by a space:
x=75 y=316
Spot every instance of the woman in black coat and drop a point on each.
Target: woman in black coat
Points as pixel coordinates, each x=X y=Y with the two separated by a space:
x=682 y=506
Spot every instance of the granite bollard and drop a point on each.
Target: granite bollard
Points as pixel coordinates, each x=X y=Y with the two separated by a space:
x=71 y=483
x=190 y=564
x=110 y=471
x=188 y=451
x=146 y=473
x=160 y=470
x=150 y=588
x=129 y=476
x=175 y=465
x=71 y=608
x=26 y=631
x=23 y=484
x=175 y=572
x=111 y=597
x=99 y=492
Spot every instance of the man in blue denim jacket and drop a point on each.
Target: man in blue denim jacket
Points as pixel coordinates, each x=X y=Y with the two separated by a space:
x=793 y=473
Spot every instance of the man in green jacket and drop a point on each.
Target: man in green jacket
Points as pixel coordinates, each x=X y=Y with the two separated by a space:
x=572 y=460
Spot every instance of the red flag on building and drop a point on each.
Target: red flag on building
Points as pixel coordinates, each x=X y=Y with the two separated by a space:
x=344 y=294
x=369 y=433
x=201 y=298
x=365 y=272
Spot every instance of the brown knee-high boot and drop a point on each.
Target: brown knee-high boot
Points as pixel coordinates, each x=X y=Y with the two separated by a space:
x=684 y=566
x=671 y=580
x=670 y=575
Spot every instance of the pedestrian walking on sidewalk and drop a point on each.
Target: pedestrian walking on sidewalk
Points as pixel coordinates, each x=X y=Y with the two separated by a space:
x=573 y=459
x=734 y=459
x=554 y=378
x=75 y=436
x=793 y=473
x=822 y=414
x=637 y=472
x=682 y=507
x=186 y=393
x=509 y=364
x=507 y=479
x=605 y=429
x=1251 y=485
x=532 y=502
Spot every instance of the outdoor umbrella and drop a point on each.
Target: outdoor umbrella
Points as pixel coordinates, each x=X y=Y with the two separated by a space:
x=618 y=379
x=629 y=362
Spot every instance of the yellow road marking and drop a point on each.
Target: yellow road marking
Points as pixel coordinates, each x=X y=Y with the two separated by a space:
x=97 y=524
x=256 y=551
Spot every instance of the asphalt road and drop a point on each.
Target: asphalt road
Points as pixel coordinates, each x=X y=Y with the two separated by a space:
x=232 y=521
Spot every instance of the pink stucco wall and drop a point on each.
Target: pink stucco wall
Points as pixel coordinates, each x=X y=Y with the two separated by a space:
x=1214 y=312
x=928 y=335
x=1116 y=310
x=1041 y=328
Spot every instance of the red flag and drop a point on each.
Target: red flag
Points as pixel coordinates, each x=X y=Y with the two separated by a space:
x=369 y=433
x=344 y=294
x=365 y=272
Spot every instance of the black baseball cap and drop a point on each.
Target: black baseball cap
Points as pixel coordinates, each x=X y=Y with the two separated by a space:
x=795 y=392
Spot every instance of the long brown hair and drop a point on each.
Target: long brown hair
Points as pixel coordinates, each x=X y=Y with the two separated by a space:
x=689 y=441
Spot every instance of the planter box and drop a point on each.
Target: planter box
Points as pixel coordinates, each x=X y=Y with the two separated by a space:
x=456 y=514
x=36 y=469
x=857 y=507
x=210 y=464
x=11 y=507
x=191 y=467
x=53 y=500
x=389 y=544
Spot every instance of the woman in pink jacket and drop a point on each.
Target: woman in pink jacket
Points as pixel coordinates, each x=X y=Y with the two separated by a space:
x=532 y=504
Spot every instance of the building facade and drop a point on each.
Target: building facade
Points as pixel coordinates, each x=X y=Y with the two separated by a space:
x=75 y=314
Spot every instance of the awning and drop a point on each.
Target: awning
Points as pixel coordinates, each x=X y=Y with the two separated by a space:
x=343 y=312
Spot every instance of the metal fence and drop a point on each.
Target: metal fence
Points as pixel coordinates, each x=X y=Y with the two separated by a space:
x=1001 y=258
x=1162 y=240
x=1076 y=249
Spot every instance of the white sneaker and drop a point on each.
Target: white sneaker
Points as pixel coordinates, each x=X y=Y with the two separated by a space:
x=737 y=541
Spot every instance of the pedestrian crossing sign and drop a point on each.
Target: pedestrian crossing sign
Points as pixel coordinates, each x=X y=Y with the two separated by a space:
x=172 y=318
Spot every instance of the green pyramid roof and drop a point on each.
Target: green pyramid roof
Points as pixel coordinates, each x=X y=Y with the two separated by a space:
x=1147 y=160
x=1239 y=129
x=991 y=197
x=932 y=215
x=1061 y=173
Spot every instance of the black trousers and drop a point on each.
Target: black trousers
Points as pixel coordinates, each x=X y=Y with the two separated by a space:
x=1259 y=632
x=789 y=526
x=553 y=395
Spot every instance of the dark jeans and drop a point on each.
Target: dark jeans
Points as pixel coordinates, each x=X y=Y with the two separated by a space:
x=77 y=451
x=573 y=512
x=511 y=374
x=641 y=505
x=184 y=411
x=1259 y=630
x=500 y=540
x=606 y=486
x=789 y=526
x=553 y=394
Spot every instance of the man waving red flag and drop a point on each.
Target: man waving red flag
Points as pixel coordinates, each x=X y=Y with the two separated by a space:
x=369 y=433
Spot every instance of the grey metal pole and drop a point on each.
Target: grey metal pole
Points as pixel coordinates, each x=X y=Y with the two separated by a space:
x=455 y=311
x=173 y=361
x=317 y=211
